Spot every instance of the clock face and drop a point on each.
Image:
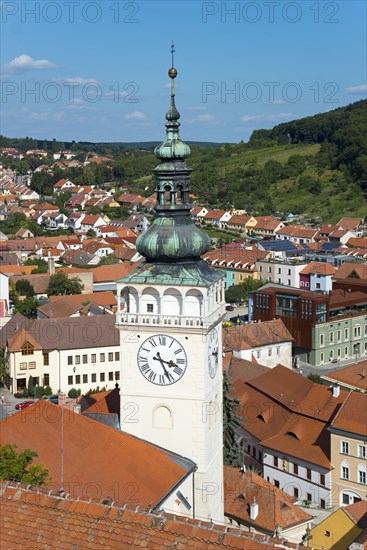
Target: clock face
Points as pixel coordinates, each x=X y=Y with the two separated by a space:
x=213 y=350
x=162 y=360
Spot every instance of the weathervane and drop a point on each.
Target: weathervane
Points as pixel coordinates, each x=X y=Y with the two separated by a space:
x=172 y=73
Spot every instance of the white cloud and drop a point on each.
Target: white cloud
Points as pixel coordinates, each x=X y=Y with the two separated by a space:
x=205 y=118
x=25 y=63
x=196 y=108
x=278 y=102
x=47 y=115
x=357 y=89
x=135 y=115
x=270 y=118
x=78 y=80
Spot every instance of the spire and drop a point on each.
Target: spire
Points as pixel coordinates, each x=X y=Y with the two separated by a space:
x=172 y=236
x=173 y=147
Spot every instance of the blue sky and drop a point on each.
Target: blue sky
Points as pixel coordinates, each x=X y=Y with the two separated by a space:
x=97 y=71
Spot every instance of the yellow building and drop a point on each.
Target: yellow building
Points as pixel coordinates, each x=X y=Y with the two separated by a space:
x=341 y=529
x=348 y=450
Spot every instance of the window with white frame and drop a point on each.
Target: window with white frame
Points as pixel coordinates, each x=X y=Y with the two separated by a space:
x=344 y=470
x=344 y=447
x=361 y=451
x=362 y=474
x=322 y=341
x=346 y=334
x=357 y=331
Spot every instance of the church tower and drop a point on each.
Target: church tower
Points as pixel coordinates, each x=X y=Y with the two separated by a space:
x=170 y=313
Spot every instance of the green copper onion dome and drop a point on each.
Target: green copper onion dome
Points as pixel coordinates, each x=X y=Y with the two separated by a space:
x=172 y=236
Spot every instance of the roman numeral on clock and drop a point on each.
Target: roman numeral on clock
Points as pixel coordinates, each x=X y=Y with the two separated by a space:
x=177 y=351
x=178 y=371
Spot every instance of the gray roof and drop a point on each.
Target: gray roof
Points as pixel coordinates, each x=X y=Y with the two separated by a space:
x=196 y=273
x=76 y=332
x=12 y=327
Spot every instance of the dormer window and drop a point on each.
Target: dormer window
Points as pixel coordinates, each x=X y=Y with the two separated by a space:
x=27 y=349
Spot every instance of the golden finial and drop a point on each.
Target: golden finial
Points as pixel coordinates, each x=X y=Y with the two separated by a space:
x=172 y=73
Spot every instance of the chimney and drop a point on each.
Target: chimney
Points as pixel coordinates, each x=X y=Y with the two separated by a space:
x=254 y=509
x=51 y=265
x=336 y=390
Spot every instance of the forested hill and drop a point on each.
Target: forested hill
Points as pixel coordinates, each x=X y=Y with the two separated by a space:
x=344 y=129
x=315 y=166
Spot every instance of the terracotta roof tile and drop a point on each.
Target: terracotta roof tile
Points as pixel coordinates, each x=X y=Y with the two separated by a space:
x=39 y=428
x=352 y=416
x=354 y=376
x=349 y=223
x=275 y=506
x=256 y=334
x=319 y=268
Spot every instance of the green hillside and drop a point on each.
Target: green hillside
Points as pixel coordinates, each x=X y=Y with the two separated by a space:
x=315 y=166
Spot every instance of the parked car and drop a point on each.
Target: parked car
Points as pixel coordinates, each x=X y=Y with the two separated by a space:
x=23 y=405
x=53 y=399
x=229 y=308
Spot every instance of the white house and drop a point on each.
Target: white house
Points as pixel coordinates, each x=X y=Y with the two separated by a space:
x=4 y=294
x=281 y=272
x=285 y=435
x=269 y=343
x=65 y=353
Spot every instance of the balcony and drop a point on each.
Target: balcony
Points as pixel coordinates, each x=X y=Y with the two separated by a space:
x=150 y=319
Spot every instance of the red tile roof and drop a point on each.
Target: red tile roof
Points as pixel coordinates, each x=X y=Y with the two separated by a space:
x=319 y=268
x=99 y=461
x=349 y=223
x=352 y=417
x=357 y=242
x=290 y=414
x=275 y=506
x=106 y=273
x=37 y=520
x=256 y=334
x=353 y=376
x=214 y=214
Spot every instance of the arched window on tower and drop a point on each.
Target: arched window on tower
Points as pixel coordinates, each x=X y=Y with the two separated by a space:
x=167 y=193
x=150 y=301
x=172 y=302
x=193 y=303
x=162 y=417
x=179 y=196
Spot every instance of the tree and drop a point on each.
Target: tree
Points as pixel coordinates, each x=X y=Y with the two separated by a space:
x=16 y=466
x=27 y=307
x=30 y=386
x=235 y=293
x=40 y=265
x=231 y=422
x=24 y=288
x=3 y=371
x=60 y=283
x=91 y=233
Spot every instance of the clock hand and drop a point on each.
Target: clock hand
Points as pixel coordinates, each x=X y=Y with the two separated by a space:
x=166 y=373
x=170 y=363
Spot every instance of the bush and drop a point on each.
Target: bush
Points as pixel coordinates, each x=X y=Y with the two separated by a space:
x=73 y=393
x=25 y=393
x=47 y=391
x=18 y=395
